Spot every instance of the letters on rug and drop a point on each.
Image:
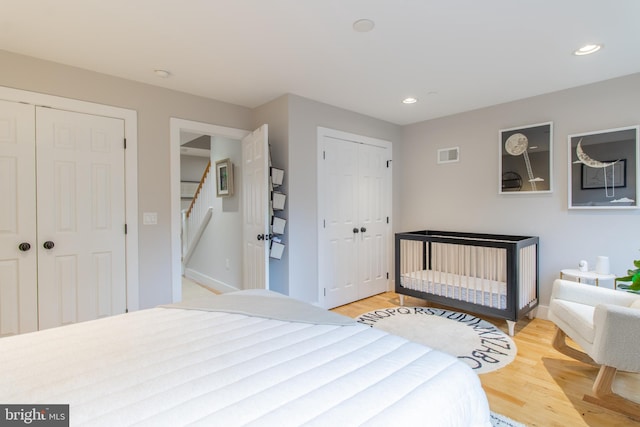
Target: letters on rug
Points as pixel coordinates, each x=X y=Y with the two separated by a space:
x=498 y=420
x=481 y=345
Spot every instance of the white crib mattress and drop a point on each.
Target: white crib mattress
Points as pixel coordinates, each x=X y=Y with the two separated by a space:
x=199 y=366
x=490 y=293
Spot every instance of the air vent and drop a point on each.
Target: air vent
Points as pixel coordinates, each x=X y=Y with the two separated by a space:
x=449 y=155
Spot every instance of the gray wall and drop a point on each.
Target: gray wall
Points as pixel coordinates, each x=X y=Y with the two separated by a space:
x=218 y=256
x=464 y=196
x=293 y=127
x=457 y=196
x=154 y=107
x=305 y=116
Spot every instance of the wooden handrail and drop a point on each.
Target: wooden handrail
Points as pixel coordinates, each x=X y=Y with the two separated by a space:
x=195 y=195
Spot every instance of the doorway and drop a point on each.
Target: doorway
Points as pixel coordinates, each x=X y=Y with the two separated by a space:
x=180 y=127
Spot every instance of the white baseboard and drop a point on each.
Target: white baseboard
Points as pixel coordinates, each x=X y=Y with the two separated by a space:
x=209 y=282
x=542 y=312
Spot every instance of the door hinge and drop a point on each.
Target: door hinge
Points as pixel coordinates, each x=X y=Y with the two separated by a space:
x=387 y=275
x=324 y=223
x=387 y=220
x=389 y=162
x=324 y=155
x=125 y=143
x=126 y=310
x=325 y=292
x=125 y=229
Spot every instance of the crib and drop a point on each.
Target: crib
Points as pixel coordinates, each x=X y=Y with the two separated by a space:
x=488 y=274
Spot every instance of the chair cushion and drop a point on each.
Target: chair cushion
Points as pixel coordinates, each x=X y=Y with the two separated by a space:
x=577 y=316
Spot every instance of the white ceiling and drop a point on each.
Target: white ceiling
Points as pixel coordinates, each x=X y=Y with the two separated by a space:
x=453 y=55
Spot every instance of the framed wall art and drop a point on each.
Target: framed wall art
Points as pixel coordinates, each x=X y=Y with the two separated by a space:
x=526 y=159
x=224 y=178
x=603 y=169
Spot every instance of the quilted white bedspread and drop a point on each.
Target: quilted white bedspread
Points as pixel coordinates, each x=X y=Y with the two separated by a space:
x=175 y=366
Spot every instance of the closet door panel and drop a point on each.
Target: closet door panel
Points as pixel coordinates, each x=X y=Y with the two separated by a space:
x=81 y=240
x=18 y=280
x=372 y=209
x=339 y=254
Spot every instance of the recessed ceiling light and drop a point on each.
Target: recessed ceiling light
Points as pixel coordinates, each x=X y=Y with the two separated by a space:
x=162 y=73
x=363 y=25
x=587 y=49
x=410 y=100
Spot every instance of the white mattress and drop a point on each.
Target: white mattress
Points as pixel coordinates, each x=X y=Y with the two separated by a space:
x=179 y=366
x=490 y=293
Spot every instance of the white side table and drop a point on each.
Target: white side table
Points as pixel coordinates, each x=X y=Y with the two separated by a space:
x=586 y=275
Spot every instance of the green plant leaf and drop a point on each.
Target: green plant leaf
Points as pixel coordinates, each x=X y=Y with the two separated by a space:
x=637 y=263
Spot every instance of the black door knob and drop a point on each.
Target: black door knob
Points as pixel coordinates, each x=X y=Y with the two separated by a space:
x=363 y=229
x=355 y=230
x=260 y=236
x=48 y=244
x=24 y=246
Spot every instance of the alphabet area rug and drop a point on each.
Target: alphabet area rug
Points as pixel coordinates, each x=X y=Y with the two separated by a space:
x=474 y=341
x=498 y=420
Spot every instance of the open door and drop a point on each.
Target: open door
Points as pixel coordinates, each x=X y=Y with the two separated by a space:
x=256 y=210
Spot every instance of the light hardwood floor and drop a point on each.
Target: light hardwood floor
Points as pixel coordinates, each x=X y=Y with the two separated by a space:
x=541 y=387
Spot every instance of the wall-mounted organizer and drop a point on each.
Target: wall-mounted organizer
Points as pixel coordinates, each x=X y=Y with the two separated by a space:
x=277 y=225
x=278 y=200
x=277 y=249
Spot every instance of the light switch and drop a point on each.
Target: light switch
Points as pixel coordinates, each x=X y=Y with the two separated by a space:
x=150 y=218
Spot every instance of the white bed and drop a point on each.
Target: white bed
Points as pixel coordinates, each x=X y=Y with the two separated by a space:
x=247 y=358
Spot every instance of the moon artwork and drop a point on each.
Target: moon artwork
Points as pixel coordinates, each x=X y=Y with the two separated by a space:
x=585 y=159
x=603 y=169
x=516 y=145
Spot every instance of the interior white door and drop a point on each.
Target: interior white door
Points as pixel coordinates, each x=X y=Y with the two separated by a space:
x=81 y=217
x=18 y=276
x=256 y=209
x=339 y=254
x=373 y=211
x=354 y=235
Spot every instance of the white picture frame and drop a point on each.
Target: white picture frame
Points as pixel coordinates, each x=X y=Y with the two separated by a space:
x=611 y=180
x=224 y=178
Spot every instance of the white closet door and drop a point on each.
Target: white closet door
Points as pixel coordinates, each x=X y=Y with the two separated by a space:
x=354 y=202
x=81 y=211
x=339 y=248
x=256 y=196
x=18 y=280
x=373 y=205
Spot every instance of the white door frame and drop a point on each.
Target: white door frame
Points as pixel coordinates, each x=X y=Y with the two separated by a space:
x=176 y=126
x=130 y=118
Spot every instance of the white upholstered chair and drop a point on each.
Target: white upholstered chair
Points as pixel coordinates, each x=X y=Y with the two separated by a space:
x=606 y=324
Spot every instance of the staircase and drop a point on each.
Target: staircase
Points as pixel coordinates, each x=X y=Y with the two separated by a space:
x=197 y=217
